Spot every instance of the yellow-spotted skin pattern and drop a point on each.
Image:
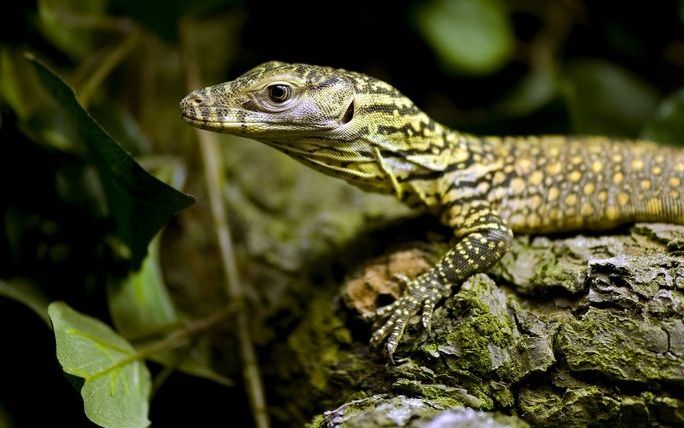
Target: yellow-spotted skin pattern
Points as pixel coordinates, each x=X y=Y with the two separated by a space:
x=363 y=130
x=553 y=184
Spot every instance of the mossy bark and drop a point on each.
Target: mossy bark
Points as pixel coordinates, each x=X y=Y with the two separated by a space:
x=584 y=329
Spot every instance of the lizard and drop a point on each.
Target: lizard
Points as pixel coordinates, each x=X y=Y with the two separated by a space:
x=485 y=188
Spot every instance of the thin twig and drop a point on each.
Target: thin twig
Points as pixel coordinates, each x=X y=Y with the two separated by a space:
x=191 y=329
x=213 y=162
x=173 y=340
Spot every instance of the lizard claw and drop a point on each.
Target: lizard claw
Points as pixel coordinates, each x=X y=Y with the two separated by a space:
x=418 y=297
x=393 y=329
x=401 y=278
x=430 y=300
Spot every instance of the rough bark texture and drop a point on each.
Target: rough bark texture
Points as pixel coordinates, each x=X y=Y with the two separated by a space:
x=565 y=330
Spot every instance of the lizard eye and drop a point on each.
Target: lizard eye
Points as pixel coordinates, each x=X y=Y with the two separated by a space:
x=279 y=93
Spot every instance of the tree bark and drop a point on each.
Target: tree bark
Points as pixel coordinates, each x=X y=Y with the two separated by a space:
x=565 y=330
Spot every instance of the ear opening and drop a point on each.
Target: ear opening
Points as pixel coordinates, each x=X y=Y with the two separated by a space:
x=349 y=114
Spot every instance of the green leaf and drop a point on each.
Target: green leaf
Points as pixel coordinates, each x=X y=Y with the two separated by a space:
x=667 y=124
x=468 y=36
x=17 y=84
x=122 y=126
x=138 y=202
x=141 y=306
x=28 y=294
x=117 y=384
x=194 y=359
x=604 y=98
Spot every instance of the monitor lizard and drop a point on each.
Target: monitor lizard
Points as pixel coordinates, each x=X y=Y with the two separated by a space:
x=363 y=130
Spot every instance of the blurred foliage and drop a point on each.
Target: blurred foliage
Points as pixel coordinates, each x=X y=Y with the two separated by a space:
x=469 y=36
x=605 y=99
x=80 y=213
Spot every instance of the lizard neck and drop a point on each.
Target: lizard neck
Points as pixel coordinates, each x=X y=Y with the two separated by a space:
x=418 y=160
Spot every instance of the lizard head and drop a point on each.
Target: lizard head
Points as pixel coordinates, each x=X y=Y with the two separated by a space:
x=274 y=101
x=342 y=123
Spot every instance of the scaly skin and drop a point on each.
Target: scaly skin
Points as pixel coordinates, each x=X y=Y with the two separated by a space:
x=363 y=130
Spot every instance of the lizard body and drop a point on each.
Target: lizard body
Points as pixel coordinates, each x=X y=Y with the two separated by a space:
x=365 y=131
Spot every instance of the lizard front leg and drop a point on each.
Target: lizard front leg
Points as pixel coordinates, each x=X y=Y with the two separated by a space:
x=484 y=239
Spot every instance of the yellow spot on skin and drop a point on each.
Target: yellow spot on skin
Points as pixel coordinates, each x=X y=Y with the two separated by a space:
x=637 y=164
x=675 y=181
x=536 y=178
x=517 y=220
x=576 y=160
x=575 y=176
x=554 y=168
x=570 y=200
x=612 y=213
x=535 y=202
x=498 y=193
x=645 y=184
x=617 y=158
x=654 y=206
x=587 y=209
x=555 y=214
x=679 y=167
x=602 y=196
x=674 y=194
x=589 y=188
x=597 y=166
x=553 y=194
x=656 y=170
x=533 y=220
x=523 y=165
x=499 y=178
x=618 y=177
x=623 y=198
x=517 y=185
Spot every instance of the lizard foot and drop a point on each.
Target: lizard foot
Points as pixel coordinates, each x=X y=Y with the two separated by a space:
x=419 y=296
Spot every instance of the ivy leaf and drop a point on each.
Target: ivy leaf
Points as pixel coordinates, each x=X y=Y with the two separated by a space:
x=469 y=36
x=667 y=124
x=117 y=383
x=138 y=202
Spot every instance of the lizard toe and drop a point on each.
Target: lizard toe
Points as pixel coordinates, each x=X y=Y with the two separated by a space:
x=398 y=315
x=428 y=310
